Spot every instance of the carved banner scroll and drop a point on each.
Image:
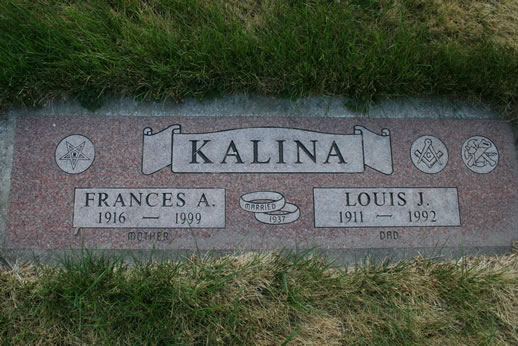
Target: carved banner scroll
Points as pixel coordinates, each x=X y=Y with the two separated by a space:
x=266 y=150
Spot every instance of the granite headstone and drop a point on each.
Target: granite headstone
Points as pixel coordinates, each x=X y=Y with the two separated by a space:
x=261 y=183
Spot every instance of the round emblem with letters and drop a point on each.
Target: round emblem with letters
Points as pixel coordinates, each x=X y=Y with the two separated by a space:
x=269 y=207
x=429 y=154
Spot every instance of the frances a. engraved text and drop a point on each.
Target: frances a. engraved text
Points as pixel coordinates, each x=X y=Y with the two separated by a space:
x=149 y=208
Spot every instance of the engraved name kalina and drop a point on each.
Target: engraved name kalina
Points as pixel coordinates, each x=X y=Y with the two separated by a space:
x=232 y=153
x=266 y=150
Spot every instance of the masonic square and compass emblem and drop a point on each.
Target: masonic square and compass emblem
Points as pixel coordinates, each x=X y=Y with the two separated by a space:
x=75 y=154
x=429 y=154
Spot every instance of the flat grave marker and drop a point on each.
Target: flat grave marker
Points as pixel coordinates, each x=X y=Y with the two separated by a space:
x=260 y=183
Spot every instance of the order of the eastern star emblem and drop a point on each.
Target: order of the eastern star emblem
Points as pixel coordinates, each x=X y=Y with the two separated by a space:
x=74 y=154
x=429 y=154
x=480 y=154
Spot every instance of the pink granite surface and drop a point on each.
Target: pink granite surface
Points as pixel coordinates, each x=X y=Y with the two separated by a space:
x=42 y=195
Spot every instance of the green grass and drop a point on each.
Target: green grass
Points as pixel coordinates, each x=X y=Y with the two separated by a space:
x=261 y=299
x=156 y=50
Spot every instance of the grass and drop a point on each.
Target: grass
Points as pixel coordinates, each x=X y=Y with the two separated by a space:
x=261 y=299
x=157 y=50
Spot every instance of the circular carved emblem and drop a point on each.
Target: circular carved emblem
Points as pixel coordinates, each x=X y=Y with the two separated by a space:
x=75 y=154
x=429 y=154
x=480 y=154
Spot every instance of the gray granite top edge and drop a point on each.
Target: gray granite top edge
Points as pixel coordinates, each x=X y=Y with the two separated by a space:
x=254 y=105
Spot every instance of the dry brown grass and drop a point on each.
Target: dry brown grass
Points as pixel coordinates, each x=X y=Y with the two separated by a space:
x=251 y=13
x=470 y=21
x=467 y=21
